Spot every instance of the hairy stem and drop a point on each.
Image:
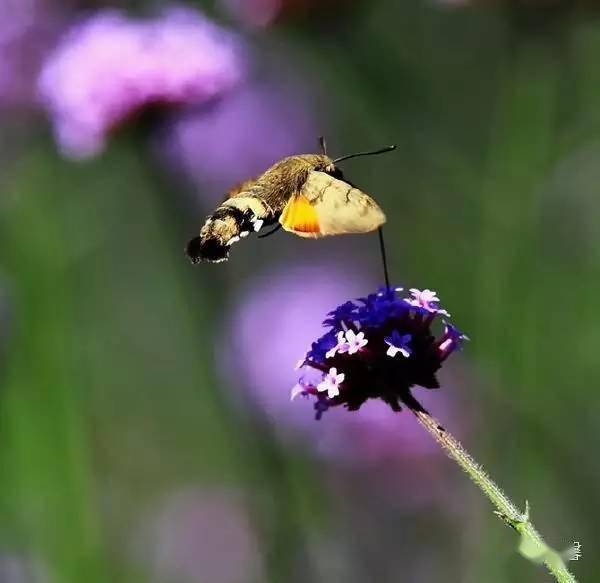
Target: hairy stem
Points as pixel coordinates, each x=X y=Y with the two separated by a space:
x=532 y=544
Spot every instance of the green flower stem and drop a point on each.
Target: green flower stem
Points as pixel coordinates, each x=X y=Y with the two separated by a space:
x=532 y=544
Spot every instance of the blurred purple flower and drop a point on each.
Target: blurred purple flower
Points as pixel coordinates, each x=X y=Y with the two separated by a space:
x=15 y=568
x=294 y=302
x=110 y=67
x=240 y=136
x=200 y=535
x=352 y=373
x=27 y=29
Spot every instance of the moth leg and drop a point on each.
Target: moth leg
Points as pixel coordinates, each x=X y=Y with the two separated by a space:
x=271 y=232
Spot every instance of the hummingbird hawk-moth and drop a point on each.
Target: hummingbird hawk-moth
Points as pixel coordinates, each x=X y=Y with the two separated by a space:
x=305 y=194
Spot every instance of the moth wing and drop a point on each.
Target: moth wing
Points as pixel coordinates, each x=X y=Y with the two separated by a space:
x=329 y=206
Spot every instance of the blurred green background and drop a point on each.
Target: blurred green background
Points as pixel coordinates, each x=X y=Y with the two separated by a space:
x=111 y=398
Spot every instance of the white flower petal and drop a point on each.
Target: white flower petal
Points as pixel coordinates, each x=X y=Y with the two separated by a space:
x=333 y=391
x=323 y=386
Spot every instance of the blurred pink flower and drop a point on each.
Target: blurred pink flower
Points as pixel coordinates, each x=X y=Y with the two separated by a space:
x=240 y=136
x=199 y=535
x=109 y=67
x=27 y=29
x=294 y=303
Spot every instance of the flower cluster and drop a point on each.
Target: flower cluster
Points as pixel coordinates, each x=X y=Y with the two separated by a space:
x=110 y=67
x=378 y=347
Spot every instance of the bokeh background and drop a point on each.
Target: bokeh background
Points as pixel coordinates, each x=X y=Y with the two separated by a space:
x=146 y=432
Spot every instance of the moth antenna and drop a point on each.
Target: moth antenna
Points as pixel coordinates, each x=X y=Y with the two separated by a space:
x=383 y=258
x=372 y=153
x=323 y=145
x=271 y=232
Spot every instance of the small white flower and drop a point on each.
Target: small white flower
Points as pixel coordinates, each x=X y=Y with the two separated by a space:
x=257 y=223
x=425 y=299
x=393 y=350
x=341 y=346
x=331 y=383
x=398 y=343
x=355 y=341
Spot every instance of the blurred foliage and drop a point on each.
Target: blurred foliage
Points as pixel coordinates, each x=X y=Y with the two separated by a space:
x=110 y=396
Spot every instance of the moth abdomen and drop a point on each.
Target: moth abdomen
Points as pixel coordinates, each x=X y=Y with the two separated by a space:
x=199 y=249
x=227 y=225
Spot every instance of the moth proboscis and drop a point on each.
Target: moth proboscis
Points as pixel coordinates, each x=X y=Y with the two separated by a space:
x=305 y=194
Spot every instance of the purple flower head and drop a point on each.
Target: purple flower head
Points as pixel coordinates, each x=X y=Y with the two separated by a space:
x=110 y=67
x=385 y=349
x=258 y=367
